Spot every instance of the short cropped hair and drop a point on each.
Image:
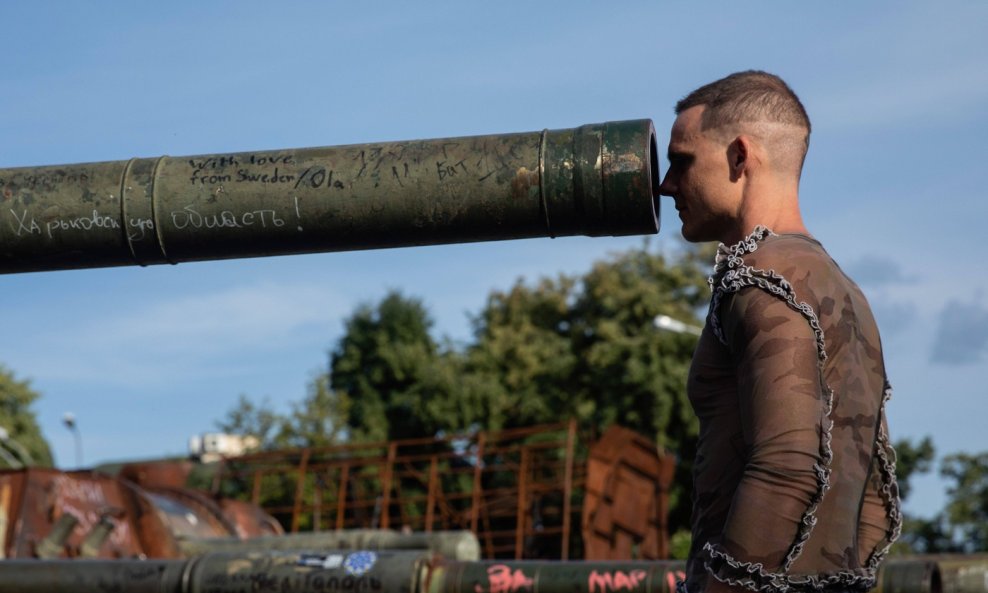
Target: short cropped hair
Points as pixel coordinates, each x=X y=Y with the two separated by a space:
x=751 y=97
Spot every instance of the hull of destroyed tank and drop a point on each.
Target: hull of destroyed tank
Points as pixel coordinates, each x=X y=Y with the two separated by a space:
x=145 y=511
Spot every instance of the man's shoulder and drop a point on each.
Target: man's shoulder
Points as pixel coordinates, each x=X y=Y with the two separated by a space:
x=792 y=267
x=789 y=251
x=802 y=262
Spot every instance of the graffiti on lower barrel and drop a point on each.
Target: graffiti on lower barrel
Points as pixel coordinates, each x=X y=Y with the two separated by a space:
x=617 y=580
x=501 y=578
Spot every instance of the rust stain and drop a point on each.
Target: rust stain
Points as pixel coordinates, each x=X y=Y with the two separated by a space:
x=624 y=162
x=522 y=182
x=51 y=213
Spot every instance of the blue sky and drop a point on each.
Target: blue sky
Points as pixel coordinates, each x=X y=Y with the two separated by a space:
x=147 y=357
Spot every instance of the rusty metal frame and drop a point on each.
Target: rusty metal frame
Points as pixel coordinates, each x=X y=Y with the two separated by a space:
x=486 y=482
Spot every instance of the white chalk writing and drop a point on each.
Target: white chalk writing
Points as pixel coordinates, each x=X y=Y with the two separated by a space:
x=82 y=223
x=24 y=225
x=190 y=217
x=140 y=227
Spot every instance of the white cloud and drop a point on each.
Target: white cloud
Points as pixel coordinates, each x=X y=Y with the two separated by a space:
x=962 y=335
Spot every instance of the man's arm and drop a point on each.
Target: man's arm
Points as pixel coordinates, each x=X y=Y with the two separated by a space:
x=782 y=408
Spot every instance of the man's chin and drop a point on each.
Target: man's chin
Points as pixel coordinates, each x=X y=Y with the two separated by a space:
x=691 y=235
x=698 y=234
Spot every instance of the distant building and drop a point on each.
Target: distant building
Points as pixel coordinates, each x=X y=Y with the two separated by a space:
x=213 y=446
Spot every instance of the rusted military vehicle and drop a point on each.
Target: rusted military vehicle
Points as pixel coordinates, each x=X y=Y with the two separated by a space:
x=144 y=512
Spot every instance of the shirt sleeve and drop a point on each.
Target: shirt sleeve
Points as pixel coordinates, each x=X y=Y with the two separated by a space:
x=782 y=407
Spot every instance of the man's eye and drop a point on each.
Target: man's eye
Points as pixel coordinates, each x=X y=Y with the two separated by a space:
x=680 y=161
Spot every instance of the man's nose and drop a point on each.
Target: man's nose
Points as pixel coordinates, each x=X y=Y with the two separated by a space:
x=667 y=187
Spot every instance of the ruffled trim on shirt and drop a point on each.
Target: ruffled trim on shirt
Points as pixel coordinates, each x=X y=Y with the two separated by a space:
x=731 y=274
x=889 y=489
x=753 y=576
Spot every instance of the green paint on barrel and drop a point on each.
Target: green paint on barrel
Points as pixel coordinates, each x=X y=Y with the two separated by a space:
x=598 y=179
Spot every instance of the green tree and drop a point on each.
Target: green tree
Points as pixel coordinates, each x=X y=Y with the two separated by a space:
x=398 y=382
x=962 y=526
x=919 y=535
x=581 y=347
x=24 y=441
x=912 y=459
x=256 y=419
x=319 y=420
x=967 y=506
x=523 y=355
x=568 y=347
x=587 y=348
x=926 y=536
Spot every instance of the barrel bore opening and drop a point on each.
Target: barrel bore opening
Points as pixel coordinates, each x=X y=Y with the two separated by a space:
x=653 y=168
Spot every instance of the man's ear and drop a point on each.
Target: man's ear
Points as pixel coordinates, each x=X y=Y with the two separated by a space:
x=738 y=156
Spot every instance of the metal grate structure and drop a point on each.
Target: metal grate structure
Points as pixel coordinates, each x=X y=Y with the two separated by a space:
x=514 y=488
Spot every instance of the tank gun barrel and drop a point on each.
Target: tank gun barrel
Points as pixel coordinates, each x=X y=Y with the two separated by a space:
x=404 y=571
x=597 y=179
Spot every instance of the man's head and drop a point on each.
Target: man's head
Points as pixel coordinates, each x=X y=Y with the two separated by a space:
x=736 y=151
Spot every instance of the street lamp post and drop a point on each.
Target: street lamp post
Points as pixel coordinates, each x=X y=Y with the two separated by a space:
x=664 y=322
x=69 y=421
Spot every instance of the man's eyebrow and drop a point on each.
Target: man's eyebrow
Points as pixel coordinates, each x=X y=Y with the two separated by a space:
x=677 y=155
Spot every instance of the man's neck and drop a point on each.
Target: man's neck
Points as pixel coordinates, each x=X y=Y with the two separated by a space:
x=776 y=210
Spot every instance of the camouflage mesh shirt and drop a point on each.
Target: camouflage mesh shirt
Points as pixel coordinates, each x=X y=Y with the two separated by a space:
x=794 y=482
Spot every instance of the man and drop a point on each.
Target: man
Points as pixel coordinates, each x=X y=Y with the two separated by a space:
x=794 y=480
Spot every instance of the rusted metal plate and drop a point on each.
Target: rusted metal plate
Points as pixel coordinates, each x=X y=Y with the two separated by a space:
x=625 y=506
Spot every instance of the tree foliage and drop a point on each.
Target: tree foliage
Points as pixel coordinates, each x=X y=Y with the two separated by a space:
x=24 y=438
x=962 y=526
x=250 y=418
x=318 y=420
x=587 y=348
x=581 y=347
x=398 y=382
x=912 y=459
x=967 y=509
